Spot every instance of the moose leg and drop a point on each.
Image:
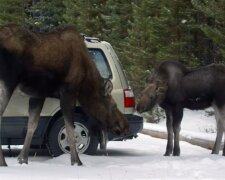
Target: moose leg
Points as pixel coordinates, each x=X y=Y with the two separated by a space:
x=224 y=145
x=177 y=117
x=2 y=159
x=220 y=118
x=104 y=141
x=67 y=103
x=222 y=123
x=35 y=107
x=169 y=125
x=219 y=135
x=5 y=94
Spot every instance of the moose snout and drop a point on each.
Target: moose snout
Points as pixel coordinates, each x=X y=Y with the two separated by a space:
x=121 y=130
x=118 y=131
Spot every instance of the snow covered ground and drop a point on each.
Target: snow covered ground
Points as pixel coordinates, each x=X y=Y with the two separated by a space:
x=195 y=124
x=141 y=158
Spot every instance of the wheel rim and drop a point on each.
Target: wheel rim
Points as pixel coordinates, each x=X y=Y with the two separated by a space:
x=81 y=135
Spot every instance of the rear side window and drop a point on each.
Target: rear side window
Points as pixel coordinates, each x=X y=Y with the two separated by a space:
x=101 y=62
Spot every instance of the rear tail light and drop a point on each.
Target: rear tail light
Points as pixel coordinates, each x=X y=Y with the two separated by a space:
x=129 y=101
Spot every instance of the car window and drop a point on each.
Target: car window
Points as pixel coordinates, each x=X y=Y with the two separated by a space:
x=100 y=60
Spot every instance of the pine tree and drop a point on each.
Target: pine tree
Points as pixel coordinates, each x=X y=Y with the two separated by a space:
x=86 y=15
x=45 y=15
x=118 y=14
x=160 y=30
x=212 y=24
x=139 y=47
x=180 y=27
x=12 y=11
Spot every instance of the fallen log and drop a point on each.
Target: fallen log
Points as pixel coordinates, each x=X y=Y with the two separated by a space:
x=198 y=141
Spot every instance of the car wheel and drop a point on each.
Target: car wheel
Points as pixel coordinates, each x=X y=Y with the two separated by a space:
x=87 y=142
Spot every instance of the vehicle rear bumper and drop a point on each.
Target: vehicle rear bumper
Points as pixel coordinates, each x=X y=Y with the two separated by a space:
x=135 y=126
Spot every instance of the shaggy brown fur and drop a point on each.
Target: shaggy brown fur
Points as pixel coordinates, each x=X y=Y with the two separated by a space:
x=55 y=64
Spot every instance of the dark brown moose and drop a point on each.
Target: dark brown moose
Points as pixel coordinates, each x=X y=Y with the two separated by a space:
x=54 y=64
x=175 y=87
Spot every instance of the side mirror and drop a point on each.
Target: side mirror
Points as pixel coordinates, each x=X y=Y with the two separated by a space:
x=108 y=87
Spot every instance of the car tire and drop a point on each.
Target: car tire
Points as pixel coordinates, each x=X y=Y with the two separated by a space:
x=87 y=141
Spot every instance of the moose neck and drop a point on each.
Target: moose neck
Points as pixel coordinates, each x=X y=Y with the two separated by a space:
x=93 y=104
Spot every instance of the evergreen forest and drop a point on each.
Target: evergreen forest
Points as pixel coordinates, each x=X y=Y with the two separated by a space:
x=143 y=32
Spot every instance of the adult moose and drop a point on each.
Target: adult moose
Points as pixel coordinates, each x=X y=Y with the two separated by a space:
x=54 y=64
x=175 y=87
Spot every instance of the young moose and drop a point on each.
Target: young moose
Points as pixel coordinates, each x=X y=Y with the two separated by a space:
x=55 y=64
x=175 y=87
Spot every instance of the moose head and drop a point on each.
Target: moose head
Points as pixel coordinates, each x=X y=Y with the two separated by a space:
x=102 y=106
x=153 y=93
x=116 y=120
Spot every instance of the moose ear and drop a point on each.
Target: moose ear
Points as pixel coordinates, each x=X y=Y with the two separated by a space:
x=108 y=87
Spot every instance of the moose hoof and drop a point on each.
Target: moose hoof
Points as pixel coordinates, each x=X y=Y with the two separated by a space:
x=22 y=161
x=167 y=154
x=79 y=163
x=3 y=164
x=176 y=154
x=75 y=160
x=214 y=152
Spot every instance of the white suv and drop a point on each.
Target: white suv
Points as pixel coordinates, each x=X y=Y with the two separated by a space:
x=51 y=132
